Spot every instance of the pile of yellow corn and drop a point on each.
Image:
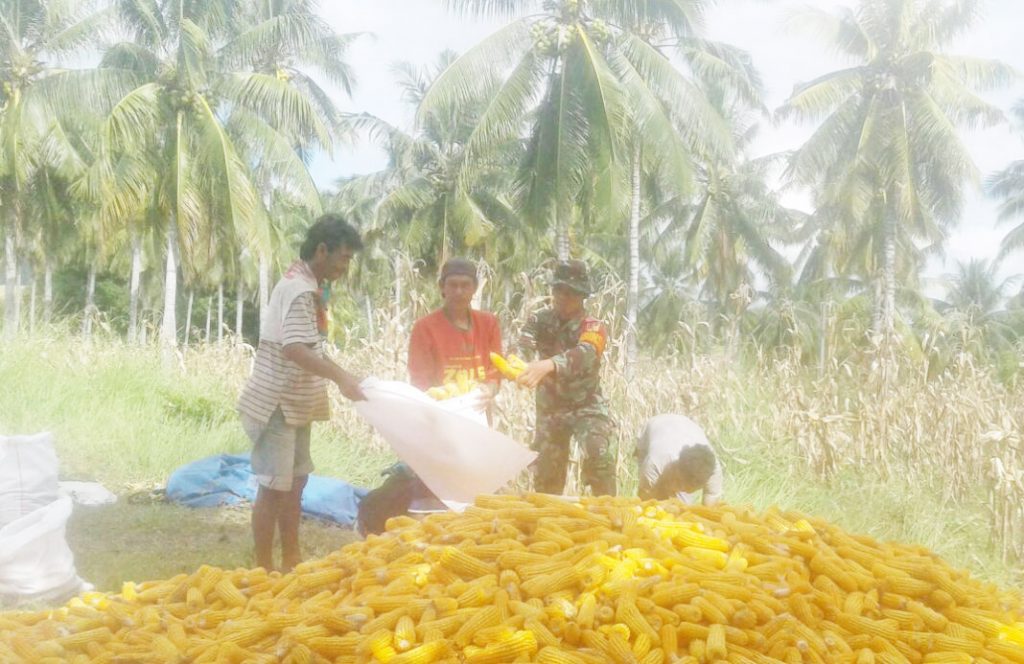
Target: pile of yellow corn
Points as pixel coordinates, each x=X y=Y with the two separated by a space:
x=538 y=579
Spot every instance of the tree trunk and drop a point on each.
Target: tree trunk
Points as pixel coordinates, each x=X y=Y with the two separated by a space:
x=47 y=289
x=398 y=283
x=371 y=331
x=32 y=304
x=239 y=310
x=562 y=237
x=169 y=323
x=90 y=302
x=188 y=315
x=220 y=312
x=887 y=292
x=209 y=317
x=826 y=312
x=133 y=288
x=633 y=292
x=264 y=284
x=19 y=291
x=889 y=273
x=10 y=282
x=876 y=306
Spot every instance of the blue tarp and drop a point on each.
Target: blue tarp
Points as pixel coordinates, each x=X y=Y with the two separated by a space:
x=228 y=480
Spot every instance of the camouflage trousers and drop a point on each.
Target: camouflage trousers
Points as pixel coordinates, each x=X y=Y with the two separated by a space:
x=594 y=430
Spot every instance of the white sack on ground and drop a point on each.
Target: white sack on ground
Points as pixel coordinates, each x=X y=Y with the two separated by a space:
x=28 y=475
x=446 y=443
x=35 y=560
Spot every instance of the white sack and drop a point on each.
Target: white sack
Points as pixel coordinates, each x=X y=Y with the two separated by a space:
x=446 y=443
x=35 y=561
x=28 y=475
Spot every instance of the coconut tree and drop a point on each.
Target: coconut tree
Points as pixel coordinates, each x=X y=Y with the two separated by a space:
x=428 y=199
x=36 y=35
x=885 y=162
x=581 y=78
x=62 y=218
x=186 y=98
x=976 y=290
x=595 y=87
x=974 y=317
x=1008 y=186
x=734 y=231
x=287 y=39
x=717 y=245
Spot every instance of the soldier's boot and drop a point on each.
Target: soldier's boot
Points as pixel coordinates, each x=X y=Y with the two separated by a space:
x=599 y=462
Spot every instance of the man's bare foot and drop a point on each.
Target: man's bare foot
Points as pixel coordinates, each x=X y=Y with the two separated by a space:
x=288 y=564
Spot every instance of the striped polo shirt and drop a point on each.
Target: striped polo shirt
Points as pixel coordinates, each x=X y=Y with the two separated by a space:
x=277 y=382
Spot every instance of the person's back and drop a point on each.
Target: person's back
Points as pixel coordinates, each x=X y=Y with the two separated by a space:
x=675 y=459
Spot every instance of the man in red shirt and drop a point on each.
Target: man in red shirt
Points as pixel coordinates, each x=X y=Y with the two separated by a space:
x=450 y=345
x=454 y=343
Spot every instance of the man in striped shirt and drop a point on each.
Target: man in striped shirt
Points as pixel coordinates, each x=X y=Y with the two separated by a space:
x=287 y=390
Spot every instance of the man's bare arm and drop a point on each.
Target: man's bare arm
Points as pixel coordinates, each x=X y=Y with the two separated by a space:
x=303 y=355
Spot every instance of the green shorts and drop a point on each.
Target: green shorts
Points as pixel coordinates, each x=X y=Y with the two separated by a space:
x=280 y=451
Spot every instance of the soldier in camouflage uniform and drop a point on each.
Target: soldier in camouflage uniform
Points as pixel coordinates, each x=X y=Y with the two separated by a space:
x=569 y=344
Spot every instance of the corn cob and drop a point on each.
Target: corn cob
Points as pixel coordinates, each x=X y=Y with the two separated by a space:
x=506 y=650
x=505 y=367
x=716 y=647
x=425 y=653
x=554 y=655
x=947 y=658
x=335 y=646
x=379 y=645
x=463 y=564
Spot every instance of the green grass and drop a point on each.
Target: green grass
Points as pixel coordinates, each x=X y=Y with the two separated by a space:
x=123 y=418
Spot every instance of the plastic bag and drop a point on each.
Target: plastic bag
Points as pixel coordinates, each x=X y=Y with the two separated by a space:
x=446 y=443
x=87 y=493
x=28 y=475
x=35 y=560
x=227 y=479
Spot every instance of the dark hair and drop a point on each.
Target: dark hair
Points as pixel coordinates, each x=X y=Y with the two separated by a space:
x=458 y=266
x=333 y=231
x=695 y=465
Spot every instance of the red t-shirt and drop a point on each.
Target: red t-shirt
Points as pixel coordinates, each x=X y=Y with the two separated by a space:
x=439 y=351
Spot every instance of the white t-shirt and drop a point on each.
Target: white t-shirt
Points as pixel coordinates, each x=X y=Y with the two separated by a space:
x=663 y=438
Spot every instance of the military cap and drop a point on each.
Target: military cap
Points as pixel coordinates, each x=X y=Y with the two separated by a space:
x=574 y=275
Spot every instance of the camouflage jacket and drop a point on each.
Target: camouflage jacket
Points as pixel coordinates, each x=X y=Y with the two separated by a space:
x=576 y=347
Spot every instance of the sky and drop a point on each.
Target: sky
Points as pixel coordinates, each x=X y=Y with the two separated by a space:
x=416 y=31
